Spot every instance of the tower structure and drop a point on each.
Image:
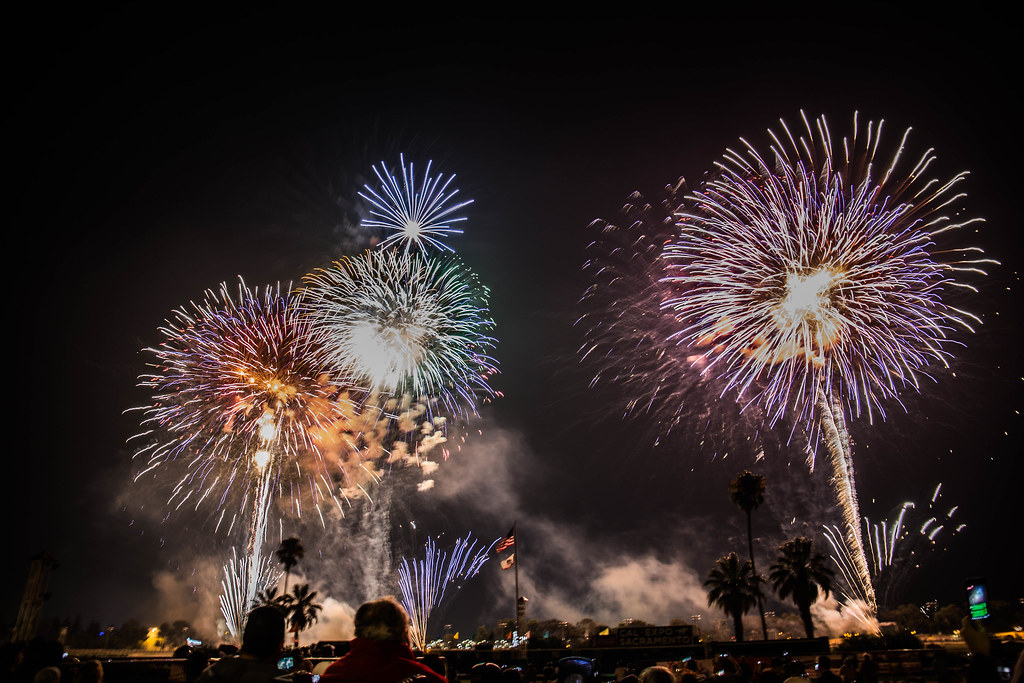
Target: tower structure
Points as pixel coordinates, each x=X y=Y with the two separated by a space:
x=34 y=597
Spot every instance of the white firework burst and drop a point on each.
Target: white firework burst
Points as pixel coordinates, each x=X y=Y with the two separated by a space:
x=415 y=214
x=406 y=325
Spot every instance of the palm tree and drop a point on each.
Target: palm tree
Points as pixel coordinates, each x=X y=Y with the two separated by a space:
x=735 y=588
x=269 y=597
x=800 y=572
x=301 y=611
x=289 y=554
x=747 y=493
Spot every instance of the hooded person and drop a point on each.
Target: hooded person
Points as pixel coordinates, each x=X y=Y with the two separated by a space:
x=262 y=645
x=380 y=651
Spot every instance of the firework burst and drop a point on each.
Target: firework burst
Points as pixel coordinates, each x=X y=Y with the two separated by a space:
x=243 y=578
x=807 y=283
x=242 y=407
x=272 y=402
x=245 y=420
x=814 y=280
x=816 y=270
x=413 y=214
x=405 y=325
x=427 y=585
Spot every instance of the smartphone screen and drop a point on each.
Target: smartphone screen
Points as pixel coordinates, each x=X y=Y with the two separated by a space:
x=977 y=598
x=286 y=663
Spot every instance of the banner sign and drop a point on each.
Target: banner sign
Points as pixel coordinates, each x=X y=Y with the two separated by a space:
x=651 y=636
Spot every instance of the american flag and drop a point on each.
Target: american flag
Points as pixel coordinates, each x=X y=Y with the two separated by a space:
x=507 y=542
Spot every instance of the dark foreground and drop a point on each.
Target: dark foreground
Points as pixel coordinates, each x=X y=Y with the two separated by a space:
x=895 y=666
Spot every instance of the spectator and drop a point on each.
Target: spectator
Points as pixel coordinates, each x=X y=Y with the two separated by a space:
x=694 y=666
x=771 y=671
x=824 y=667
x=657 y=674
x=848 y=671
x=11 y=657
x=485 y=672
x=48 y=674
x=577 y=670
x=1018 y=669
x=796 y=672
x=438 y=663
x=262 y=644
x=91 y=671
x=981 y=669
x=868 y=672
x=726 y=670
x=195 y=664
x=380 y=651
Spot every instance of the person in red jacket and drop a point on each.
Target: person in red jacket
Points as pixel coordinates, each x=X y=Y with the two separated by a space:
x=380 y=651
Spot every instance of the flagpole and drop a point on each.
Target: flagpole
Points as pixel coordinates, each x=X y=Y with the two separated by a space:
x=515 y=564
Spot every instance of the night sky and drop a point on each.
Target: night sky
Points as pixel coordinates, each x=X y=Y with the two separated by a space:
x=155 y=156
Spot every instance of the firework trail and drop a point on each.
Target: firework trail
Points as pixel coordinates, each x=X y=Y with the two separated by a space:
x=242 y=581
x=414 y=214
x=243 y=578
x=428 y=585
x=403 y=324
x=894 y=547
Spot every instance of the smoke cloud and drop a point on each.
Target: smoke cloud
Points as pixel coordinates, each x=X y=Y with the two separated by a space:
x=571 y=565
x=566 y=570
x=335 y=622
x=835 y=619
x=192 y=597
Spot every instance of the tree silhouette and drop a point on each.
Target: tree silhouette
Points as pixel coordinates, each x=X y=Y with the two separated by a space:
x=269 y=597
x=301 y=611
x=289 y=554
x=800 y=572
x=734 y=588
x=747 y=493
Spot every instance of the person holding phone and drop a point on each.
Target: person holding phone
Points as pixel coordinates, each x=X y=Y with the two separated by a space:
x=824 y=669
x=981 y=668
